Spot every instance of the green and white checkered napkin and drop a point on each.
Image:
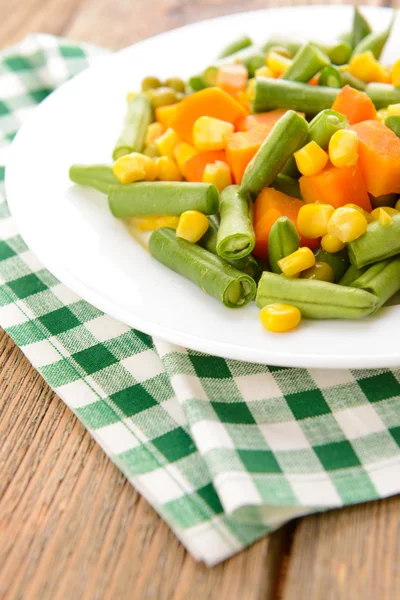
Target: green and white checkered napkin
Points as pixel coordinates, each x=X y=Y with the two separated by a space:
x=225 y=451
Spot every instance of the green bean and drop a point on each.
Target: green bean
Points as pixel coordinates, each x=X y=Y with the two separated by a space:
x=277 y=93
x=346 y=37
x=99 y=177
x=377 y=243
x=351 y=275
x=211 y=273
x=382 y=279
x=339 y=261
x=150 y=83
x=315 y=299
x=235 y=46
x=383 y=94
x=321 y=129
x=331 y=77
x=138 y=118
x=361 y=28
x=286 y=184
x=283 y=239
x=249 y=264
x=290 y=44
x=308 y=61
x=375 y=42
x=251 y=57
x=287 y=136
x=338 y=54
x=236 y=237
x=147 y=198
x=324 y=125
x=354 y=82
x=210 y=76
x=393 y=122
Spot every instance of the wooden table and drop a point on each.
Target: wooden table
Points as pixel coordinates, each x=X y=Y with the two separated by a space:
x=71 y=526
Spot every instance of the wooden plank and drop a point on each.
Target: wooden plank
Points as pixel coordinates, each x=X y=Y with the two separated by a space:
x=71 y=526
x=349 y=553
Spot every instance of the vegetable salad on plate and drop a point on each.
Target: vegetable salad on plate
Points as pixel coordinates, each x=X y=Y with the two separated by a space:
x=273 y=175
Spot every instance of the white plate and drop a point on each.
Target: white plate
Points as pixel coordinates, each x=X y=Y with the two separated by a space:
x=72 y=232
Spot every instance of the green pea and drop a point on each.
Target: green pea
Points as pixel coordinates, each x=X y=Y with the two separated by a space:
x=150 y=83
x=176 y=84
x=321 y=271
x=162 y=96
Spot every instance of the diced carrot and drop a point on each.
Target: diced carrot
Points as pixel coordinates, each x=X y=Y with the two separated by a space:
x=336 y=186
x=379 y=157
x=268 y=207
x=165 y=114
x=194 y=166
x=241 y=147
x=232 y=78
x=211 y=102
x=313 y=80
x=354 y=105
x=267 y=119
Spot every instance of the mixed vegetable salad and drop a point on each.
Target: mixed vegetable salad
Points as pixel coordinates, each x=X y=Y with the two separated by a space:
x=274 y=175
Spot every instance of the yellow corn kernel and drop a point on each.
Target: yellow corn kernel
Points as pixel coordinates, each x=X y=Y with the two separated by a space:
x=397 y=205
x=331 y=243
x=393 y=110
x=343 y=148
x=218 y=173
x=151 y=223
x=154 y=130
x=396 y=73
x=388 y=210
x=367 y=68
x=192 y=226
x=264 y=72
x=298 y=261
x=167 y=142
x=382 y=114
x=277 y=63
x=310 y=159
x=167 y=169
x=182 y=152
x=280 y=317
x=209 y=133
x=366 y=214
x=384 y=218
x=313 y=219
x=347 y=224
x=134 y=167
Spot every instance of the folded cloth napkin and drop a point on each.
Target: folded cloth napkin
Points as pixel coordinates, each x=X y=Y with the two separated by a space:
x=225 y=451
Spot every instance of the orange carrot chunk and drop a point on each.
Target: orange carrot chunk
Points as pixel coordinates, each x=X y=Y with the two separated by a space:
x=268 y=207
x=336 y=186
x=354 y=105
x=193 y=168
x=211 y=102
x=379 y=157
x=267 y=119
x=241 y=147
x=232 y=78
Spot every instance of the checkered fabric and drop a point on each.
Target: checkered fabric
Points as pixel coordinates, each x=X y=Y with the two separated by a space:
x=225 y=451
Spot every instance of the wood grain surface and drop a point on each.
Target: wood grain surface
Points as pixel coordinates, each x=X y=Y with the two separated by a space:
x=71 y=527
